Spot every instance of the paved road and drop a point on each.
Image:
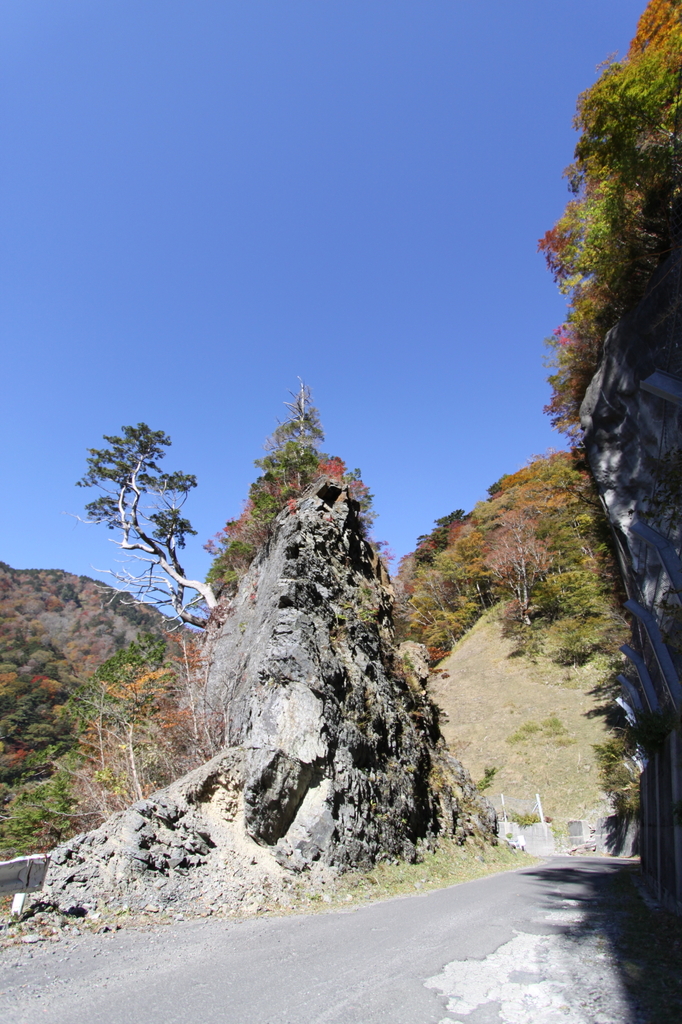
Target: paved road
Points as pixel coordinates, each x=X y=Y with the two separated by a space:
x=525 y=947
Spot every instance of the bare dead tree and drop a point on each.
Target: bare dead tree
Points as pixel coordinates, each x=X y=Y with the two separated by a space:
x=519 y=559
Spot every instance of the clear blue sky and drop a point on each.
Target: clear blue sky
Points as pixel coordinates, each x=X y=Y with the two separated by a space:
x=203 y=199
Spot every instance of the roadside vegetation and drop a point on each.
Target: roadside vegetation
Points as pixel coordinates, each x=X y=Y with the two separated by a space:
x=450 y=864
x=617 y=228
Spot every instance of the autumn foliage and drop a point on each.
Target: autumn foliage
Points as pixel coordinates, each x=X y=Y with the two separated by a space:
x=617 y=228
x=136 y=723
x=143 y=720
x=538 y=547
x=293 y=461
x=54 y=628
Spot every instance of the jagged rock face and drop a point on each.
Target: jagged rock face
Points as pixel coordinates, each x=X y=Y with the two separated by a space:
x=627 y=429
x=342 y=762
x=628 y=433
x=333 y=754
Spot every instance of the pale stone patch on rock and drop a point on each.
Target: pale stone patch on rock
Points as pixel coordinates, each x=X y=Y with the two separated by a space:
x=290 y=719
x=312 y=825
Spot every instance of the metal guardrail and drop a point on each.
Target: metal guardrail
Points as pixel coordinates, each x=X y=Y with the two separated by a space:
x=21 y=876
x=661 y=652
x=667 y=554
x=665 y=385
x=644 y=677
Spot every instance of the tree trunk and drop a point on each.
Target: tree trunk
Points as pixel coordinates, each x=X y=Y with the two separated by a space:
x=133 y=765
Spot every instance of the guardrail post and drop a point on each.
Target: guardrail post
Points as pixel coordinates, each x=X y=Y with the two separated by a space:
x=18 y=903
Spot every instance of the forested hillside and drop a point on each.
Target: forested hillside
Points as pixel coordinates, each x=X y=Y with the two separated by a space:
x=535 y=558
x=541 y=545
x=618 y=227
x=55 y=629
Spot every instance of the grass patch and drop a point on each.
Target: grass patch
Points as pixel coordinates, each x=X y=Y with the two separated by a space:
x=450 y=864
x=524 y=732
x=525 y=820
x=486 y=696
x=551 y=728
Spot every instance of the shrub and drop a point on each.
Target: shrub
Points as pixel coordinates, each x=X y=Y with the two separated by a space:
x=652 y=728
x=525 y=820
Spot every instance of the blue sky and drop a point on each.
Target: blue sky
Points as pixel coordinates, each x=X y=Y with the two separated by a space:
x=203 y=199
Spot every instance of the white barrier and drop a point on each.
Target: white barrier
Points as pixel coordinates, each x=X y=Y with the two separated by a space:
x=22 y=875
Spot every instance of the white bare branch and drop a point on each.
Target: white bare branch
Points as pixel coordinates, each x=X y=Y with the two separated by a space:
x=144 y=506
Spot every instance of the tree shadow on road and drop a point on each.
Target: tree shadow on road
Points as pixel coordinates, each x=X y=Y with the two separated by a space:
x=644 y=940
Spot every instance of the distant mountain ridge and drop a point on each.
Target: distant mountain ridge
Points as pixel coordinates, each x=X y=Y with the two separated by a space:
x=55 y=629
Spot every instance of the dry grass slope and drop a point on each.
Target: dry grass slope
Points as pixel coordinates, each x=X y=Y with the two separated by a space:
x=528 y=719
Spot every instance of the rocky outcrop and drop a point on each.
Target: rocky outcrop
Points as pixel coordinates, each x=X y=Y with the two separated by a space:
x=184 y=848
x=343 y=764
x=627 y=428
x=333 y=753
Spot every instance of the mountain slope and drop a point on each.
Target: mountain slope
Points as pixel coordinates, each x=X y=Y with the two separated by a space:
x=55 y=628
x=491 y=697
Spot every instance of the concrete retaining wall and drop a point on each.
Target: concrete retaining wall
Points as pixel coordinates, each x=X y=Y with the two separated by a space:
x=661 y=835
x=539 y=838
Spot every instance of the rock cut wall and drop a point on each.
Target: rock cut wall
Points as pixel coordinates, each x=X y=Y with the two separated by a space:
x=632 y=419
x=628 y=430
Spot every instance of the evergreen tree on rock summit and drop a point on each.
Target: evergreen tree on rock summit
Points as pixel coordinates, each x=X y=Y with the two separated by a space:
x=293 y=461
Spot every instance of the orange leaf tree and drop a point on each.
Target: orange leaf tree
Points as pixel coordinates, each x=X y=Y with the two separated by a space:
x=616 y=230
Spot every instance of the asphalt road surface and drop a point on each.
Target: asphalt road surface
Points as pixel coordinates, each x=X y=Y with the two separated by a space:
x=525 y=947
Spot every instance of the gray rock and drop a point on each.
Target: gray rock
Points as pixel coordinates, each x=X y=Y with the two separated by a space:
x=333 y=755
x=578 y=830
x=617 y=836
x=624 y=424
x=168 y=831
x=414 y=660
x=347 y=764
x=627 y=432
